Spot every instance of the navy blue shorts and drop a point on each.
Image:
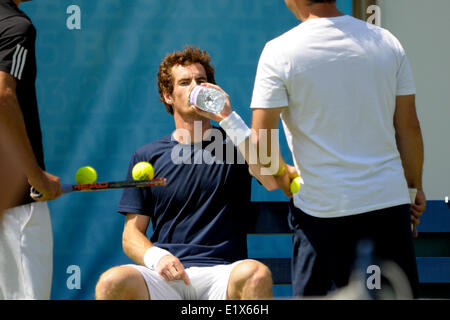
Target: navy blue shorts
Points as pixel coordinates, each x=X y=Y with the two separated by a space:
x=324 y=248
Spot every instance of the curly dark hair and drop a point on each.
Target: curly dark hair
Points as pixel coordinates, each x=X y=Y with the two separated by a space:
x=188 y=56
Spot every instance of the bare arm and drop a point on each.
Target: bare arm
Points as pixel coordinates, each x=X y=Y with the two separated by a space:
x=15 y=140
x=134 y=239
x=13 y=128
x=136 y=244
x=267 y=119
x=248 y=149
x=410 y=146
x=409 y=139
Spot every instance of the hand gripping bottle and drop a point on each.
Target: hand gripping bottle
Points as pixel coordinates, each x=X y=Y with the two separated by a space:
x=208 y=99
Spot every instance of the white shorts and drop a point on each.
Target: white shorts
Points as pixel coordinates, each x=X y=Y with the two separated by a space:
x=26 y=252
x=207 y=283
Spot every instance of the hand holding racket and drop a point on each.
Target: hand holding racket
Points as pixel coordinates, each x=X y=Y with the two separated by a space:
x=48 y=183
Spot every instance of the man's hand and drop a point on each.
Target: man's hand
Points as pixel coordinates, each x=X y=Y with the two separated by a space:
x=170 y=268
x=284 y=181
x=417 y=209
x=215 y=116
x=47 y=184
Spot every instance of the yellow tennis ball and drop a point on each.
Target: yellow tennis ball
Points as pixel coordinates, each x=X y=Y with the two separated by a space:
x=296 y=184
x=142 y=171
x=86 y=175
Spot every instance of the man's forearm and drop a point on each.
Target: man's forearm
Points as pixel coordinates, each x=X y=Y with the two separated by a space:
x=14 y=136
x=409 y=139
x=410 y=146
x=139 y=248
x=266 y=138
x=245 y=141
x=135 y=245
x=268 y=151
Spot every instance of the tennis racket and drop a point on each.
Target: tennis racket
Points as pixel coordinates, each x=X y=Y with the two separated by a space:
x=67 y=188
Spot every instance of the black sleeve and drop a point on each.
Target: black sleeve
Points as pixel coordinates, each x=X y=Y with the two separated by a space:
x=16 y=41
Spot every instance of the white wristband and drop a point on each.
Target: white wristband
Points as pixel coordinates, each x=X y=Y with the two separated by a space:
x=235 y=128
x=153 y=255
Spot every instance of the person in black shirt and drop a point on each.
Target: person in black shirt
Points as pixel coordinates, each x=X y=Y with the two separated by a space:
x=25 y=229
x=198 y=249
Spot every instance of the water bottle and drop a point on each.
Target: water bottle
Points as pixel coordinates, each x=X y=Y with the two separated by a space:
x=208 y=99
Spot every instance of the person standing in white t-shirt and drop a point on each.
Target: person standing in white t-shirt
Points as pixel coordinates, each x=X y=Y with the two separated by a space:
x=346 y=96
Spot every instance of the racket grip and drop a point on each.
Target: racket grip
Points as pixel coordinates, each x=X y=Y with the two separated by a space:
x=66 y=188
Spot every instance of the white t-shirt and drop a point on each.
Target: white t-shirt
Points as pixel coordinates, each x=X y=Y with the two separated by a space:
x=339 y=78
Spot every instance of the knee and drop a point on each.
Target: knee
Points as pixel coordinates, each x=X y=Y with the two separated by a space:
x=253 y=274
x=259 y=274
x=114 y=283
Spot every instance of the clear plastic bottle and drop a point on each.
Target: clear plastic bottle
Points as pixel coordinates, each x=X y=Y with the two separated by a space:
x=208 y=99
